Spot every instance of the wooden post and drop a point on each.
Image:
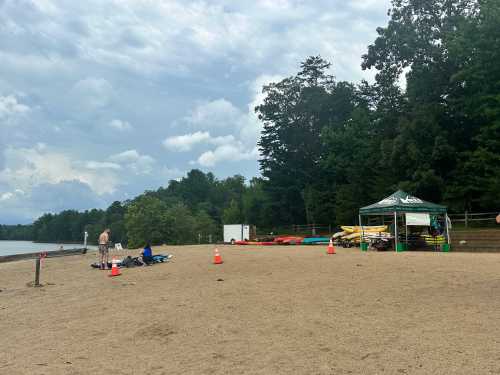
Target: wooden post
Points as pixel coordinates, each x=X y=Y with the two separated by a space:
x=466 y=219
x=37 y=271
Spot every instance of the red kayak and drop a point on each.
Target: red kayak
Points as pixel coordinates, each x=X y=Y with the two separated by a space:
x=241 y=242
x=289 y=240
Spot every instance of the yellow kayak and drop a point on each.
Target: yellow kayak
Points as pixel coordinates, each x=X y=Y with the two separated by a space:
x=339 y=234
x=352 y=236
x=371 y=229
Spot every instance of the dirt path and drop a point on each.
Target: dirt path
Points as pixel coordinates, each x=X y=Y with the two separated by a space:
x=279 y=310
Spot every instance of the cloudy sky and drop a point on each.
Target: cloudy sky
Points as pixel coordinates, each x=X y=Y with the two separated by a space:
x=102 y=99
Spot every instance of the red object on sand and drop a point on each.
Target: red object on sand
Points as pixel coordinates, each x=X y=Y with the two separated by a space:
x=331 y=248
x=115 y=271
x=217 y=257
x=289 y=240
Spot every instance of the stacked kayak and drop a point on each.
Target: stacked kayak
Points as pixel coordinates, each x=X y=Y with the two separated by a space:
x=356 y=229
x=351 y=235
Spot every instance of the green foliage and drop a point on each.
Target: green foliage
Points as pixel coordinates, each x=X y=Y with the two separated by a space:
x=232 y=214
x=16 y=232
x=146 y=221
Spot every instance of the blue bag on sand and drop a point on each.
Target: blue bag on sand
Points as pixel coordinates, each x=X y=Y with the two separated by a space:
x=160 y=258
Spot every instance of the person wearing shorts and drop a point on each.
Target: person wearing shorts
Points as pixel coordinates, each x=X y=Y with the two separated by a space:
x=103 y=249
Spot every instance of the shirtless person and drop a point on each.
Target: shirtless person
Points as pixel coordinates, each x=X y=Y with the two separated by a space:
x=103 y=248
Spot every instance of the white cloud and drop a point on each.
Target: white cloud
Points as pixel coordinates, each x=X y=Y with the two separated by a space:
x=364 y=4
x=6 y=196
x=120 y=125
x=26 y=168
x=10 y=106
x=226 y=153
x=102 y=165
x=245 y=126
x=186 y=142
x=219 y=113
x=93 y=93
x=126 y=156
x=132 y=160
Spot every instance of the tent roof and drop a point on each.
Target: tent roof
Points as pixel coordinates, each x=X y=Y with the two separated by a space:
x=402 y=202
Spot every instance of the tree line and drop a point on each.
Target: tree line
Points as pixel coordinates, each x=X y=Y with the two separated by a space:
x=190 y=210
x=329 y=147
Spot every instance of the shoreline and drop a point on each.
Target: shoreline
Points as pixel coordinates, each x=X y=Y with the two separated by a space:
x=50 y=254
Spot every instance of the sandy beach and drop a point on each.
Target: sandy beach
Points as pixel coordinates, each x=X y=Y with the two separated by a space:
x=268 y=310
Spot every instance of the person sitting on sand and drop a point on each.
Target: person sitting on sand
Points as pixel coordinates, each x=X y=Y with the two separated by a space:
x=147 y=255
x=103 y=248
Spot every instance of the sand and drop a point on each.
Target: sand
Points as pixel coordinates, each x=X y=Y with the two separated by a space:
x=268 y=310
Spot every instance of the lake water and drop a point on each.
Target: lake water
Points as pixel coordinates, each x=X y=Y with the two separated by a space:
x=22 y=247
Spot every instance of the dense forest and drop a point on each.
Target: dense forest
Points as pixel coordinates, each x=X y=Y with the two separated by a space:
x=329 y=147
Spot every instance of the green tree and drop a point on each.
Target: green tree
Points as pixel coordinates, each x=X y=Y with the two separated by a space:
x=294 y=112
x=146 y=221
x=232 y=214
x=181 y=225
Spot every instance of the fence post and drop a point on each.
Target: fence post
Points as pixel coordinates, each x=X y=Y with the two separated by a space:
x=466 y=219
x=37 y=271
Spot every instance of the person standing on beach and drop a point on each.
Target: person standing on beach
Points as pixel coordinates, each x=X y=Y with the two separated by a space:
x=103 y=248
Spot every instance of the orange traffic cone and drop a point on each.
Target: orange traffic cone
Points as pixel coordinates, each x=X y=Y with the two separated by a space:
x=331 y=248
x=217 y=257
x=115 y=271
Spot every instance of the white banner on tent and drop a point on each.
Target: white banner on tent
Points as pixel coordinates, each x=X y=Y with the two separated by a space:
x=418 y=219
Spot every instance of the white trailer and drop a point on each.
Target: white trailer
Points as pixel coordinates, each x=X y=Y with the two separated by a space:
x=236 y=232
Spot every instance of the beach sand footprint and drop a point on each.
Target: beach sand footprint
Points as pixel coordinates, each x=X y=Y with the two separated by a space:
x=155 y=332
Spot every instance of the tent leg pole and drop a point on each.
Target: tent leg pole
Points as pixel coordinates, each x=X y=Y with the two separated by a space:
x=362 y=230
x=447 y=230
x=406 y=234
x=396 y=231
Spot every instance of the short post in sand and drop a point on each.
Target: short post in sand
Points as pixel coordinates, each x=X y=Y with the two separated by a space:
x=38 y=267
x=37 y=271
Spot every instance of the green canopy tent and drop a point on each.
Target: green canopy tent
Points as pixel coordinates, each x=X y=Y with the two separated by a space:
x=403 y=203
